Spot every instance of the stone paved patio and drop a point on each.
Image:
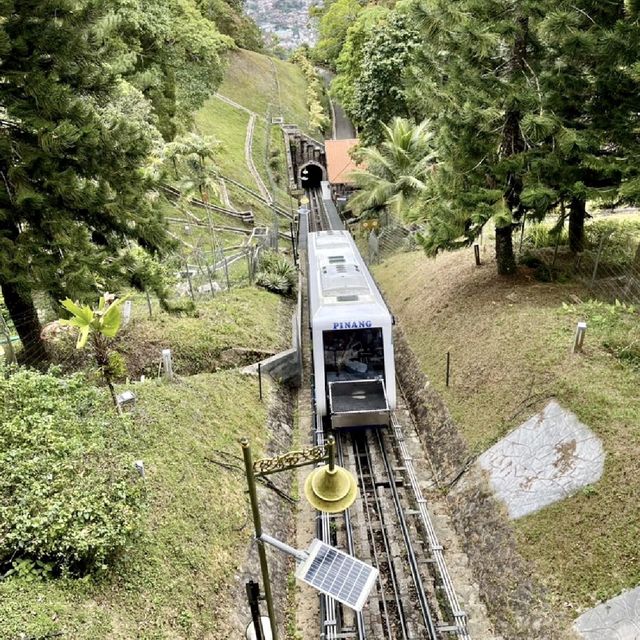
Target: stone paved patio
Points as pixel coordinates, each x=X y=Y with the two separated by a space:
x=548 y=458
x=616 y=619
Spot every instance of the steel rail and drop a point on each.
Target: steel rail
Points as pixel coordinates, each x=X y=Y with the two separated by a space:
x=406 y=535
x=435 y=548
x=363 y=454
x=360 y=628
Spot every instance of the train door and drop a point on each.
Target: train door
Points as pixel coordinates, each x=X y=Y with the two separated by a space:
x=355 y=376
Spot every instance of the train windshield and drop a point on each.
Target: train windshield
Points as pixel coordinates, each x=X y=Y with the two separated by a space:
x=355 y=354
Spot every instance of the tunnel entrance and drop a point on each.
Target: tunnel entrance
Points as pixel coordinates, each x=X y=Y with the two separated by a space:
x=311 y=175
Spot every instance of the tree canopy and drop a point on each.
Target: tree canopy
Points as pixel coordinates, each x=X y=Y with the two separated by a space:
x=533 y=107
x=89 y=88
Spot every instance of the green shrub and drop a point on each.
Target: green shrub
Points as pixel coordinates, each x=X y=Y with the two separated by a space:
x=68 y=499
x=621 y=239
x=276 y=274
x=540 y=235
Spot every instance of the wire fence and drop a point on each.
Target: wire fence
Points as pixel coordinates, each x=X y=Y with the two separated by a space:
x=608 y=265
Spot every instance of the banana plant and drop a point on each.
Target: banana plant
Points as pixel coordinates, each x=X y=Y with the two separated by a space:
x=99 y=325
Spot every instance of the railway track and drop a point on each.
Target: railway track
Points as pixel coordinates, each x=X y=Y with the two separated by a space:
x=318 y=219
x=389 y=527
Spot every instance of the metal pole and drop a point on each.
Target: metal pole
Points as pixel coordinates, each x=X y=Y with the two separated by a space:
x=189 y=281
x=331 y=452
x=148 y=303
x=253 y=595
x=257 y=524
x=293 y=245
x=476 y=251
x=260 y=378
x=448 y=366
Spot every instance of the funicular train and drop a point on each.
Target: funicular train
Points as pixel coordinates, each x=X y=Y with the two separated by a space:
x=351 y=328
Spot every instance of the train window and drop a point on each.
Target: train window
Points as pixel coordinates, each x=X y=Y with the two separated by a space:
x=356 y=354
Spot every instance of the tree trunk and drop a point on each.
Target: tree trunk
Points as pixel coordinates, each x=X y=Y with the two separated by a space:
x=504 y=251
x=577 y=216
x=25 y=319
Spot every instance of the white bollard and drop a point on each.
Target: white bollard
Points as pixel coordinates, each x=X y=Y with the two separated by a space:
x=126 y=313
x=578 y=340
x=167 y=364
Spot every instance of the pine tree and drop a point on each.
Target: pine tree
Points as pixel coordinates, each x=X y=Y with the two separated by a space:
x=590 y=84
x=74 y=144
x=475 y=80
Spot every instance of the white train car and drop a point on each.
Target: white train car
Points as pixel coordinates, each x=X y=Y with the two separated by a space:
x=355 y=381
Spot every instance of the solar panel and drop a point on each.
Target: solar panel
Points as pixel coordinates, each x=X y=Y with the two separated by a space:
x=337 y=574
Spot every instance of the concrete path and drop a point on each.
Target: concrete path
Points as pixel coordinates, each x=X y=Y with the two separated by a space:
x=616 y=619
x=342 y=126
x=548 y=458
x=248 y=146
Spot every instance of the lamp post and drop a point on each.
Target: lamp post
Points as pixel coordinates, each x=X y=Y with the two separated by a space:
x=328 y=488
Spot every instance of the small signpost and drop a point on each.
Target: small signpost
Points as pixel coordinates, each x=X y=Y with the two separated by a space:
x=167 y=364
x=578 y=340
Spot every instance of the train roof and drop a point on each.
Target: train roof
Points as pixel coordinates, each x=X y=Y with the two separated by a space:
x=340 y=285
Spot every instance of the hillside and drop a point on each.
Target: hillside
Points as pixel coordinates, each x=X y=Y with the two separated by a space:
x=174 y=577
x=509 y=341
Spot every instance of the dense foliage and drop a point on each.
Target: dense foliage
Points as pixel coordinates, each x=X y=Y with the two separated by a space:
x=68 y=500
x=533 y=106
x=90 y=92
x=318 y=118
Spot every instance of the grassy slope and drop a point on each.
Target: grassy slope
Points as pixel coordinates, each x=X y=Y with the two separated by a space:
x=226 y=321
x=250 y=80
x=509 y=343
x=173 y=580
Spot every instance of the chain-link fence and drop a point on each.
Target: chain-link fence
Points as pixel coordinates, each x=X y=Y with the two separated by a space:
x=608 y=265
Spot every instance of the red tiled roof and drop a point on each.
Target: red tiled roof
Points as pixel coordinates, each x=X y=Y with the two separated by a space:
x=339 y=162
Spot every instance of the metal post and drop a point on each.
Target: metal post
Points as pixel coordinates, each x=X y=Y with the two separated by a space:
x=260 y=379
x=448 y=366
x=476 y=251
x=257 y=524
x=578 y=340
x=293 y=245
x=189 y=281
x=149 y=303
x=253 y=595
x=331 y=452
x=226 y=268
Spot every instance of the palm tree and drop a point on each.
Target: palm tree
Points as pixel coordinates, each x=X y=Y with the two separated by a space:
x=396 y=170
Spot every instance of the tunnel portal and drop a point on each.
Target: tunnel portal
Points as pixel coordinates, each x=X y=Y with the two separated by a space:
x=311 y=175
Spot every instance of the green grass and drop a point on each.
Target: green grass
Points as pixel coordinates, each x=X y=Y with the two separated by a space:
x=250 y=80
x=174 y=580
x=245 y=317
x=229 y=127
x=510 y=351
